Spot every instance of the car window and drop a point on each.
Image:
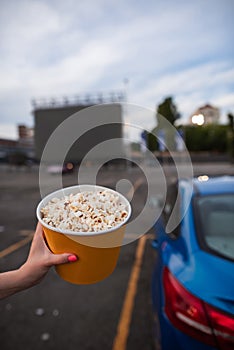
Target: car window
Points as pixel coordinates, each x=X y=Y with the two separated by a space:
x=215 y=215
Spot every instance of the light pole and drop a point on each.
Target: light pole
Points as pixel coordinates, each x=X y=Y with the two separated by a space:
x=198 y=119
x=126 y=122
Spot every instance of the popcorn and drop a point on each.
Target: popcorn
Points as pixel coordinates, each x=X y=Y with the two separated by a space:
x=85 y=212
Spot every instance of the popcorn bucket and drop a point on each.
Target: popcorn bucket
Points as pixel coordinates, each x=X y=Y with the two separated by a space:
x=97 y=252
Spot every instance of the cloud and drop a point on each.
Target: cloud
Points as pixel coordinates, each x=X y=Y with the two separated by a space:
x=9 y=131
x=226 y=103
x=57 y=48
x=191 y=87
x=35 y=21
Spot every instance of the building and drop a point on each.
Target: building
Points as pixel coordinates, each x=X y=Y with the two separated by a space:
x=22 y=148
x=25 y=136
x=7 y=147
x=25 y=132
x=206 y=114
x=51 y=116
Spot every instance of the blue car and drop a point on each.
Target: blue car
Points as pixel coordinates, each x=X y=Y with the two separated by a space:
x=193 y=279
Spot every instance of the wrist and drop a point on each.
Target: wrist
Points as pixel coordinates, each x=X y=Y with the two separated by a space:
x=27 y=280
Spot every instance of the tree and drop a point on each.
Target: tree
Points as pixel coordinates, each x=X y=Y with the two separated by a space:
x=210 y=138
x=152 y=142
x=230 y=120
x=168 y=110
x=164 y=132
x=231 y=136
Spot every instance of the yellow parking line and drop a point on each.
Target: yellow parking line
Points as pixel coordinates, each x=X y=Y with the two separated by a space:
x=121 y=337
x=12 y=248
x=26 y=232
x=136 y=185
x=133 y=235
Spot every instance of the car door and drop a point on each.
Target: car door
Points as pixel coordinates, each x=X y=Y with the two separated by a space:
x=160 y=243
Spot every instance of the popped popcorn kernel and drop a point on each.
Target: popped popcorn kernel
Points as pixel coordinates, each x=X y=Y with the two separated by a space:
x=87 y=211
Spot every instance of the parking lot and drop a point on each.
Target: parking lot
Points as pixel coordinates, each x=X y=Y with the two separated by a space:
x=115 y=313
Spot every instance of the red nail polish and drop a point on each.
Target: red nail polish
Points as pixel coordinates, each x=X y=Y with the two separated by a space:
x=72 y=258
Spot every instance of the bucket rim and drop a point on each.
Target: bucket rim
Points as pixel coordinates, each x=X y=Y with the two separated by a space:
x=63 y=191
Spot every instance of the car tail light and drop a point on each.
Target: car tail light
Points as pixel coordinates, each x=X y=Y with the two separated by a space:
x=196 y=318
x=223 y=327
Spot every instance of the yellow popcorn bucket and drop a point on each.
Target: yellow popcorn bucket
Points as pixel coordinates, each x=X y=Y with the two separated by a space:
x=97 y=252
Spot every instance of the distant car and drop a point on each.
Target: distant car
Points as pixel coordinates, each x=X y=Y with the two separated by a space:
x=193 y=279
x=67 y=168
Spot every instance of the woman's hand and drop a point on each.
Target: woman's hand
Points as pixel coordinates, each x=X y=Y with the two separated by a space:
x=38 y=263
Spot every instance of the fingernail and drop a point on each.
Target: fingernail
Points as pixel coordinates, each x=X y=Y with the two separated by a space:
x=72 y=258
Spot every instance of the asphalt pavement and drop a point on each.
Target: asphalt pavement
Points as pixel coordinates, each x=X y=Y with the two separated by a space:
x=115 y=313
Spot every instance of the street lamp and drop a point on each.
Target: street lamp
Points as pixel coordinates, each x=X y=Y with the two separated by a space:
x=198 y=119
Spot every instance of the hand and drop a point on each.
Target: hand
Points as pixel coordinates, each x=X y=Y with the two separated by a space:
x=38 y=263
x=40 y=259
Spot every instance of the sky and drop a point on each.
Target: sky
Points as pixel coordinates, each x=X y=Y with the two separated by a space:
x=161 y=48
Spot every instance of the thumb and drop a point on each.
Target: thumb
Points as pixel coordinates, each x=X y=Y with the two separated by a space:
x=64 y=258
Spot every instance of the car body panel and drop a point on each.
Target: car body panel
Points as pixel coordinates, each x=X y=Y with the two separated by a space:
x=207 y=276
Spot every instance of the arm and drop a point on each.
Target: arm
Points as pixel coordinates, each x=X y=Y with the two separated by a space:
x=10 y=283
x=38 y=263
